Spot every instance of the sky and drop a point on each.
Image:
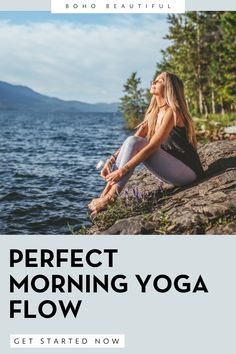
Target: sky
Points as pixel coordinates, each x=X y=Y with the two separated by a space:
x=79 y=57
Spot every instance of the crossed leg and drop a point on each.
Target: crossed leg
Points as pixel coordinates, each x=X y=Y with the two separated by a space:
x=129 y=148
x=163 y=165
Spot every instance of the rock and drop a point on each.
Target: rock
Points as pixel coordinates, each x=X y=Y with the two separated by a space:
x=131 y=226
x=229 y=229
x=205 y=207
x=230 y=130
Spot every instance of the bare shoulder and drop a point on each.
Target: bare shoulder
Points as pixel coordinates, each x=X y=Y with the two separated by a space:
x=167 y=122
x=168 y=116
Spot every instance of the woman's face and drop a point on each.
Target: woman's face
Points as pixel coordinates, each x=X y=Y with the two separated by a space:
x=157 y=86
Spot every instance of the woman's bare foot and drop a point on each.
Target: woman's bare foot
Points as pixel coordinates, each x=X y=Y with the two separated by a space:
x=105 y=191
x=102 y=203
x=90 y=205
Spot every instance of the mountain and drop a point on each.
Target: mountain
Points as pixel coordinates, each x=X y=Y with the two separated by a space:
x=17 y=97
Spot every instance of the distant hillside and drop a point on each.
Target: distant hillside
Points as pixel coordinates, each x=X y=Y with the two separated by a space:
x=19 y=97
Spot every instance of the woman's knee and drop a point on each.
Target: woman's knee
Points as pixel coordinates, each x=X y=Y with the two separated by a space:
x=134 y=141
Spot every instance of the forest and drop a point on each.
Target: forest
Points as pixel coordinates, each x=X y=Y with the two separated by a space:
x=201 y=51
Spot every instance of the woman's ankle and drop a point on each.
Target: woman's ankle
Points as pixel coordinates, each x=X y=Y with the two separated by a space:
x=106 y=190
x=115 y=190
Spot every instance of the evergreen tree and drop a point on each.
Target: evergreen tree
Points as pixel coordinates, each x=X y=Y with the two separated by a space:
x=133 y=104
x=228 y=26
x=202 y=53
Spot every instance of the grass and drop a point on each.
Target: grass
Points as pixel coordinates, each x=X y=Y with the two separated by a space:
x=163 y=224
x=136 y=204
x=125 y=208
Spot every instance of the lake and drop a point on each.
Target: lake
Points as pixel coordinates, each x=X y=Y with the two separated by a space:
x=48 y=168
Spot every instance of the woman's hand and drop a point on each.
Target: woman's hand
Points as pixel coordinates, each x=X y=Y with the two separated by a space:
x=106 y=169
x=114 y=176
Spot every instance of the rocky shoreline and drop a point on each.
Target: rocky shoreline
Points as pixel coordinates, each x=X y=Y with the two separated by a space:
x=148 y=207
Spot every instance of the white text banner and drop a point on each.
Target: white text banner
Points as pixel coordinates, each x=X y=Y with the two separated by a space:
x=67 y=341
x=117 y=6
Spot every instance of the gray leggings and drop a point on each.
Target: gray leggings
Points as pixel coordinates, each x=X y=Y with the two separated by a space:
x=163 y=165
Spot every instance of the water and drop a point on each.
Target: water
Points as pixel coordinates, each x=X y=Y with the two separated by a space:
x=47 y=168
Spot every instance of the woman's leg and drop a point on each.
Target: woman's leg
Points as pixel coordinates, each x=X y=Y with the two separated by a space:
x=163 y=165
x=103 y=194
x=130 y=147
x=169 y=169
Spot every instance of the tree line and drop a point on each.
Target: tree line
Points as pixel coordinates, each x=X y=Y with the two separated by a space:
x=202 y=53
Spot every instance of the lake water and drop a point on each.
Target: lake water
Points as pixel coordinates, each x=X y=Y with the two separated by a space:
x=48 y=168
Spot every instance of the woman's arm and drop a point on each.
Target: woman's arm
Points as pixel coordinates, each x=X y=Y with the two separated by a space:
x=158 y=138
x=155 y=142
x=116 y=153
x=142 y=129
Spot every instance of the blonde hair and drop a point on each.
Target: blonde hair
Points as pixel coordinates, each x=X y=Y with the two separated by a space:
x=175 y=99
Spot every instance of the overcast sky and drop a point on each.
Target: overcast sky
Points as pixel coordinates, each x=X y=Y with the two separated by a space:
x=79 y=57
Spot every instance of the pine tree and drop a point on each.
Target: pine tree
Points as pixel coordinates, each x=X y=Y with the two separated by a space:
x=133 y=103
x=228 y=27
x=202 y=53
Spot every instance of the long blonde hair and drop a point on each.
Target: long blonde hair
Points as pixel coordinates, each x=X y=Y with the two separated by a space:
x=175 y=99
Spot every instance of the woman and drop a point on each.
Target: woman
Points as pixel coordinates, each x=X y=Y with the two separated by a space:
x=165 y=143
